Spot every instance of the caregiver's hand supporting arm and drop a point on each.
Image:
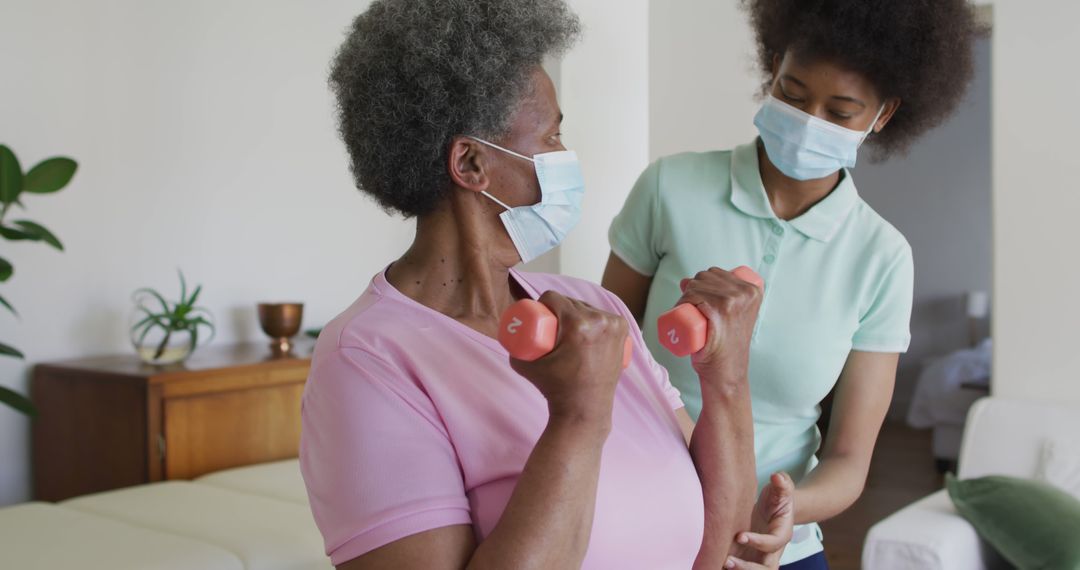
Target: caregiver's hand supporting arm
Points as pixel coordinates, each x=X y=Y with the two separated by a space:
x=548 y=521
x=862 y=399
x=722 y=444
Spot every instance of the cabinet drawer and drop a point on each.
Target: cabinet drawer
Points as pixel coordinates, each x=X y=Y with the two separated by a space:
x=211 y=432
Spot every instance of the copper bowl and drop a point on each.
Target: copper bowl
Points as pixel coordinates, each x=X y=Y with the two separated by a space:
x=281 y=322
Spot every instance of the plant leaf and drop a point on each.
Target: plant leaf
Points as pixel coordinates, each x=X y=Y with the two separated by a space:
x=149 y=322
x=194 y=339
x=5 y=303
x=11 y=351
x=195 y=295
x=50 y=175
x=11 y=177
x=17 y=401
x=203 y=321
x=6 y=269
x=39 y=232
x=14 y=234
x=164 y=304
x=183 y=287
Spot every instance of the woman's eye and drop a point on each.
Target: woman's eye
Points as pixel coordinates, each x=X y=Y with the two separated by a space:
x=841 y=116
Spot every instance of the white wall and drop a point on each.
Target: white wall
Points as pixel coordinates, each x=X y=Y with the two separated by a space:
x=702 y=78
x=206 y=140
x=1036 y=200
x=605 y=97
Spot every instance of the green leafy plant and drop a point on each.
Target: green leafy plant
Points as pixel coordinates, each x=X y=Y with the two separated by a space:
x=47 y=177
x=154 y=313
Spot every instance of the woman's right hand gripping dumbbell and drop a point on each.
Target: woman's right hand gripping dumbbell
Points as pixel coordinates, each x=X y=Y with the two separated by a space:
x=714 y=320
x=578 y=376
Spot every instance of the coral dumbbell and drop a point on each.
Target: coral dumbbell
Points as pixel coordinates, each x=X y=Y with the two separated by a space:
x=528 y=330
x=684 y=330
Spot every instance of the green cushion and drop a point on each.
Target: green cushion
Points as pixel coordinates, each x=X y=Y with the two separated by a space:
x=1032 y=524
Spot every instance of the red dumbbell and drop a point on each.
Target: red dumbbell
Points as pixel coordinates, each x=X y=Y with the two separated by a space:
x=528 y=329
x=683 y=330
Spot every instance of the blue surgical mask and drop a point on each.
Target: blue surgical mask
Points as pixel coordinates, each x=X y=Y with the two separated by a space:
x=805 y=147
x=537 y=229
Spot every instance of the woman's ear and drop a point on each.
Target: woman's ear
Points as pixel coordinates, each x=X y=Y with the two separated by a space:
x=467 y=164
x=777 y=61
x=892 y=105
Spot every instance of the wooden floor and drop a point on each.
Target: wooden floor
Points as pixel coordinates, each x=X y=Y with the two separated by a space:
x=902 y=471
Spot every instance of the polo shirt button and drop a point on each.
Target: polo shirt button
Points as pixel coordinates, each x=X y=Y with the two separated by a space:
x=769 y=258
x=778 y=230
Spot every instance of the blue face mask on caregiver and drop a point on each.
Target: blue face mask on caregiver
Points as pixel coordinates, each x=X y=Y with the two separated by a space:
x=805 y=147
x=537 y=229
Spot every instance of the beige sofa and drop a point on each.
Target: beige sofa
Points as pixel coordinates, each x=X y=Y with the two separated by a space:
x=253 y=518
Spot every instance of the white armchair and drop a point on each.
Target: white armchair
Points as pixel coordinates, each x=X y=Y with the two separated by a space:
x=1002 y=437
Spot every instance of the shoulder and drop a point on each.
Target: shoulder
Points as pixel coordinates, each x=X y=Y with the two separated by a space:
x=878 y=238
x=367 y=335
x=693 y=165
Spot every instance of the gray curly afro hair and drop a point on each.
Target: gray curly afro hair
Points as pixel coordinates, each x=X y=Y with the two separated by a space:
x=413 y=74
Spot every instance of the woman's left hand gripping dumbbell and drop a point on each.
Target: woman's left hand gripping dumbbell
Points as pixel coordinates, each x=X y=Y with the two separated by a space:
x=729 y=301
x=573 y=352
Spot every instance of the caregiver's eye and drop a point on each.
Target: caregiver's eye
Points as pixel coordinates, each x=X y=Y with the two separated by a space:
x=790 y=98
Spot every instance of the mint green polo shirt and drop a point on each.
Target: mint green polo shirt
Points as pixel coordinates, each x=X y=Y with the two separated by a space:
x=837 y=279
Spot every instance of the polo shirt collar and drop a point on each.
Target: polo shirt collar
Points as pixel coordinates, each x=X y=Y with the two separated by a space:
x=819 y=223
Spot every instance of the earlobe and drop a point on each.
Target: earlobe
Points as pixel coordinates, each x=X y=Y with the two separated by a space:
x=891 y=106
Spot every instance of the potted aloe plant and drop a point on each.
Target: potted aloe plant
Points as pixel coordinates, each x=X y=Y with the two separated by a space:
x=47 y=177
x=166 y=332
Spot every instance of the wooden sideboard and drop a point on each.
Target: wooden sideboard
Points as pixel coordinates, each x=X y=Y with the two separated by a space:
x=112 y=422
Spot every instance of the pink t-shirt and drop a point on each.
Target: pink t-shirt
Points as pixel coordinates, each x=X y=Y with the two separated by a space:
x=413 y=421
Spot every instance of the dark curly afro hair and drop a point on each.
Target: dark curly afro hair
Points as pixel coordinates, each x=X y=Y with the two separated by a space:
x=413 y=74
x=918 y=50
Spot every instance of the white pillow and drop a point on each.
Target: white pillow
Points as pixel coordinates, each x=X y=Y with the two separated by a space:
x=1059 y=465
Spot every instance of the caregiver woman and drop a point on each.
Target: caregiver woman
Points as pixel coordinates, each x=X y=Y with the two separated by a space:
x=425 y=446
x=839 y=277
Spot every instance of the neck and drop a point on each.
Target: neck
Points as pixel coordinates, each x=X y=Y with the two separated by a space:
x=791 y=198
x=457 y=267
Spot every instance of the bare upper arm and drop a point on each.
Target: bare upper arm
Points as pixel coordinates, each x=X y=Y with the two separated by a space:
x=446 y=548
x=685 y=424
x=861 y=401
x=628 y=285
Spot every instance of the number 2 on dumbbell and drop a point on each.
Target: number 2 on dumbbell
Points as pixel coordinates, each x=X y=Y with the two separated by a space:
x=684 y=330
x=528 y=330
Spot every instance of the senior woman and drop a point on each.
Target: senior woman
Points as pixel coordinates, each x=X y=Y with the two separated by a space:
x=424 y=444
x=838 y=276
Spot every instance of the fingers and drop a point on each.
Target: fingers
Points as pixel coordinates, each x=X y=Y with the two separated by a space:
x=580 y=321
x=558 y=303
x=781 y=496
x=717 y=282
x=763 y=543
x=783 y=483
x=734 y=563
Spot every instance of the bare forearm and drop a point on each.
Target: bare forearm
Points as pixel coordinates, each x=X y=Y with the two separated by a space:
x=548 y=520
x=830 y=489
x=722 y=447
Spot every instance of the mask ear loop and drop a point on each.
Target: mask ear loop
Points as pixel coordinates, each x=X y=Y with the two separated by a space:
x=507 y=151
x=869 y=131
